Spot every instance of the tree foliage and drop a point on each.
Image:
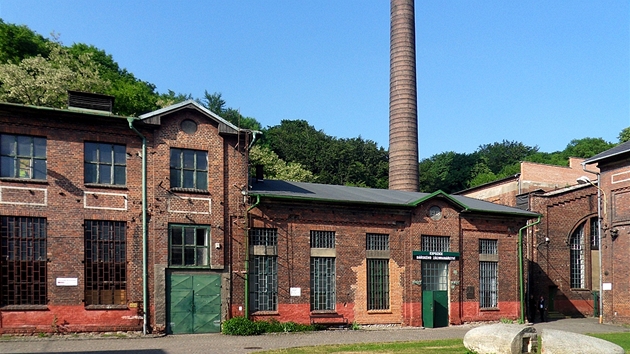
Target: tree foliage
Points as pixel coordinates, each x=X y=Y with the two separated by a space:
x=19 y=42
x=276 y=168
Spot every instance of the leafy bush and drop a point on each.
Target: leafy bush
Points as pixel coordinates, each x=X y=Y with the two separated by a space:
x=241 y=326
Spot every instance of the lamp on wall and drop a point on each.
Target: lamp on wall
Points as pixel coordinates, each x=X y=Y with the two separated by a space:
x=600 y=215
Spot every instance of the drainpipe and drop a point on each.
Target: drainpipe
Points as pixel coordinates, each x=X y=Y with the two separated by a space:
x=599 y=236
x=247 y=255
x=520 y=267
x=145 y=287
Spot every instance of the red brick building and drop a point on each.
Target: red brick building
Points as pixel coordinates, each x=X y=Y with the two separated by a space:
x=149 y=223
x=336 y=254
x=614 y=182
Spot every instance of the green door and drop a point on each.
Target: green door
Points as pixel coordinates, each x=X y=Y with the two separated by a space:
x=194 y=303
x=434 y=294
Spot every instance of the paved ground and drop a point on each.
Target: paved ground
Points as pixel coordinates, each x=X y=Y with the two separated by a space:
x=218 y=343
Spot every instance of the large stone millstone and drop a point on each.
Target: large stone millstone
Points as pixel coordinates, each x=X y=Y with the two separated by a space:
x=501 y=338
x=561 y=342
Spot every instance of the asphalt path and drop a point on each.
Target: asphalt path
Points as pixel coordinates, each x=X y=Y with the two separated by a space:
x=220 y=344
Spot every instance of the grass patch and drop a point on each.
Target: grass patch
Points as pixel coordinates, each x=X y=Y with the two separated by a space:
x=423 y=347
x=621 y=339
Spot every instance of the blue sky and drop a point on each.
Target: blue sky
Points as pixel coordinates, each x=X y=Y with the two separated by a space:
x=539 y=72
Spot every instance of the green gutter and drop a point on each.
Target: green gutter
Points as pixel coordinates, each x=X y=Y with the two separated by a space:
x=520 y=267
x=247 y=255
x=145 y=287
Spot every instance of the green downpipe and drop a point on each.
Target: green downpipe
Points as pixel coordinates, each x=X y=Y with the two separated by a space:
x=145 y=286
x=520 y=267
x=247 y=255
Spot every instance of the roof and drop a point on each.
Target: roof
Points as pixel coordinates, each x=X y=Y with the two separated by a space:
x=96 y=113
x=154 y=117
x=488 y=184
x=617 y=150
x=315 y=192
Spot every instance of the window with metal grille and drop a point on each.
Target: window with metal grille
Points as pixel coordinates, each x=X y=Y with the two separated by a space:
x=377 y=242
x=434 y=276
x=105 y=164
x=264 y=283
x=105 y=262
x=577 y=261
x=594 y=234
x=22 y=156
x=189 y=169
x=488 y=285
x=263 y=237
x=188 y=245
x=23 y=262
x=323 y=295
x=436 y=243
x=378 y=284
x=322 y=239
x=488 y=246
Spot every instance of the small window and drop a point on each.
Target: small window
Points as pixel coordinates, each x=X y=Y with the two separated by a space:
x=594 y=234
x=22 y=156
x=264 y=237
x=377 y=242
x=488 y=246
x=105 y=164
x=436 y=243
x=189 y=245
x=189 y=169
x=322 y=239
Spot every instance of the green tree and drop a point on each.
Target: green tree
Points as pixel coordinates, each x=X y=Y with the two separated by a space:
x=504 y=153
x=276 y=168
x=45 y=81
x=20 y=42
x=215 y=103
x=586 y=147
x=624 y=135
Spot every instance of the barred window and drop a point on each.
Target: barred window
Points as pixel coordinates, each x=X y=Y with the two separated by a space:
x=188 y=245
x=488 y=285
x=322 y=239
x=436 y=243
x=594 y=234
x=105 y=163
x=577 y=260
x=323 y=294
x=264 y=237
x=378 y=284
x=264 y=283
x=189 y=169
x=23 y=261
x=22 y=156
x=377 y=242
x=488 y=246
x=105 y=262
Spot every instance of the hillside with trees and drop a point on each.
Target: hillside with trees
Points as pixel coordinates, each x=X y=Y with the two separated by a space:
x=35 y=70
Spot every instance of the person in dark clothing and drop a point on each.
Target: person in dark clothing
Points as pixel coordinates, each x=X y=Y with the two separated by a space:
x=531 y=309
x=541 y=308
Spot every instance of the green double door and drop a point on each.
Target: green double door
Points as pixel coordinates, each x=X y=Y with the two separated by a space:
x=194 y=303
x=434 y=294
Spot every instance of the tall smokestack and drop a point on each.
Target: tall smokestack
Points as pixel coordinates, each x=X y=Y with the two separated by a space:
x=403 y=101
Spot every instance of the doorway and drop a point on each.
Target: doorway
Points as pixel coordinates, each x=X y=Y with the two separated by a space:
x=434 y=294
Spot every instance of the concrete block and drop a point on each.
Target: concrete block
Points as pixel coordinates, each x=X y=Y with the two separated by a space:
x=501 y=338
x=561 y=342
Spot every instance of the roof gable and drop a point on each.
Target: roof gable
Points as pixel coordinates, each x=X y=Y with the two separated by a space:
x=155 y=117
x=610 y=153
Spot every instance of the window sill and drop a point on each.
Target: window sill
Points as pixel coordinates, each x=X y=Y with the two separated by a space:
x=189 y=190
x=489 y=309
x=580 y=289
x=265 y=313
x=24 y=308
x=106 y=307
x=324 y=313
x=379 y=312
x=188 y=267
x=108 y=186
x=24 y=180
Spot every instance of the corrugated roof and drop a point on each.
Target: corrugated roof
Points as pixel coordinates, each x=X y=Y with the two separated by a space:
x=371 y=196
x=617 y=150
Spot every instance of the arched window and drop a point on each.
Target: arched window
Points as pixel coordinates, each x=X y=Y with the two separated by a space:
x=577 y=258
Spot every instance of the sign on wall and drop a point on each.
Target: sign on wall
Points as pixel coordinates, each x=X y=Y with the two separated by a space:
x=435 y=256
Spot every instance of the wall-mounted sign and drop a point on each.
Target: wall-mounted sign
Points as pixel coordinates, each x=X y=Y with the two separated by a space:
x=67 y=281
x=295 y=291
x=435 y=256
x=607 y=286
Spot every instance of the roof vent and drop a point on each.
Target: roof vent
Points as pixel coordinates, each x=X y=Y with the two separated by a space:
x=90 y=101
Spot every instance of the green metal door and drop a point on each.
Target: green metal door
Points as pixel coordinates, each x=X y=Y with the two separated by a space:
x=194 y=303
x=434 y=294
